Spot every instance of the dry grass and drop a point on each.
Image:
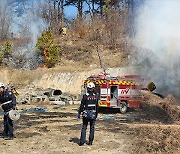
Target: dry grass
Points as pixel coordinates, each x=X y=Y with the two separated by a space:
x=156 y=139
x=157 y=130
x=80 y=44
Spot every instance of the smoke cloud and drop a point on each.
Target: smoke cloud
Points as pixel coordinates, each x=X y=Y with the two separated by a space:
x=28 y=24
x=158 y=37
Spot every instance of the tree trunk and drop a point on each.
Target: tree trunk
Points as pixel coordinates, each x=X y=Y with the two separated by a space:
x=93 y=8
x=101 y=7
x=80 y=7
x=54 y=12
x=124 y=4
x=62 y=12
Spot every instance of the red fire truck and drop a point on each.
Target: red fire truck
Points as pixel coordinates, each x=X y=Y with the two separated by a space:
x=120 y=92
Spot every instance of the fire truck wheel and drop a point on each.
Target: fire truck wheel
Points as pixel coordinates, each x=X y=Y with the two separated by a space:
x=123 y=107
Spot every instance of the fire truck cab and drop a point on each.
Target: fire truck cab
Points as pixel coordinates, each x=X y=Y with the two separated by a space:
x=120 y=92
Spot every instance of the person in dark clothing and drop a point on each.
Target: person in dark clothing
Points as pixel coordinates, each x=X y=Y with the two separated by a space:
x=89 y=110
x=8 y=102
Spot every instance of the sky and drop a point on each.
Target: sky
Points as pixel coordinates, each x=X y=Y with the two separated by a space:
x=70 y=12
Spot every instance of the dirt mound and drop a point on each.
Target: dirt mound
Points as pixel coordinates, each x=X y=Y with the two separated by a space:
x=170 y=108
x=156 y=139
x=158 y=109
x=158 y=128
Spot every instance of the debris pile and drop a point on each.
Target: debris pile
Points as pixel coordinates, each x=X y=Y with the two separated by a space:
x=54 y=96
x=159 y=109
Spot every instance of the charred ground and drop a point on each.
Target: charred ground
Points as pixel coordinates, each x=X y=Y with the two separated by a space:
x=152 y=129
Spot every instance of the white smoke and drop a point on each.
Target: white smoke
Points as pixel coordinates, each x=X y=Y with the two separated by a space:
x=158 y=31
x=28 y=24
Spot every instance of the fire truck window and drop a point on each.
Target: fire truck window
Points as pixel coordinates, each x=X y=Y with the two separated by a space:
x=114 y=92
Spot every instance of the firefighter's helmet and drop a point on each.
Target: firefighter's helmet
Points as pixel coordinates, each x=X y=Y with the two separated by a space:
x=2 y=84
x=90 y=85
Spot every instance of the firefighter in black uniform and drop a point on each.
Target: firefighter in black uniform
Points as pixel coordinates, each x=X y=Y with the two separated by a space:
x=89 y=110
x=8 y=102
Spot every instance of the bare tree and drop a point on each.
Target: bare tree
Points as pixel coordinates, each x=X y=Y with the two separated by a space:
x=53 y=13
x=5 y=19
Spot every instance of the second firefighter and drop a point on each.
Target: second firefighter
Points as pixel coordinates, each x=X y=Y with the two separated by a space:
x=89 y=110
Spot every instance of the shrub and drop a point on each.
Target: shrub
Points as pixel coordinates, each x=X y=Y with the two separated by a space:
x=5 y=51
x=151 y=86
x=48 y=49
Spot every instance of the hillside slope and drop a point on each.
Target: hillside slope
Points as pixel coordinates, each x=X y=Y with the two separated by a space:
x=57 y=78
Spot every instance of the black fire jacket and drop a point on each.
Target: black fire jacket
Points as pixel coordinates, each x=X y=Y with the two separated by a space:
x=89 y=102
x=8 y=100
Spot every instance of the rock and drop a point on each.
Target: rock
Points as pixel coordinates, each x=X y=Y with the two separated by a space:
x=58 y=102
x=71 y=102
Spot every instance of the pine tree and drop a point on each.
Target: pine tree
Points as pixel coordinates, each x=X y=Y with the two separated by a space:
x=48 y=49
x=6 y=50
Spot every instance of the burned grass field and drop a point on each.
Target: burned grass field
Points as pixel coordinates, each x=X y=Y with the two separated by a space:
x=56 y=129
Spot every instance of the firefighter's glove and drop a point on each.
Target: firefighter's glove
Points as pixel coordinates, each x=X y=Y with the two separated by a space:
x=79 y=116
